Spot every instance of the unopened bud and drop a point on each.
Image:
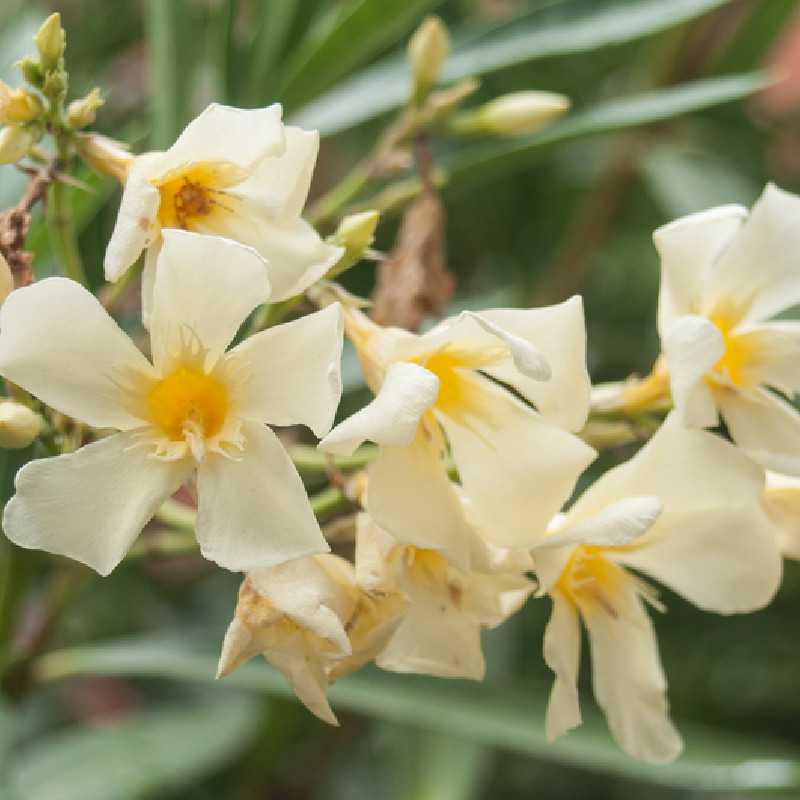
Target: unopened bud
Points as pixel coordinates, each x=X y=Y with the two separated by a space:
x=19 y=426
x=355 y=234
x=18 y=105
x=6 y=279
x=514 y=114
x=105 y=155
x=32 y=72
x=50 y=41
x=427 y=50
x=82 y=112
x=15 y=142
x=55 y=83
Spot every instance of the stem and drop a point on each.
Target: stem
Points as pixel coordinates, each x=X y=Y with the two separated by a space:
x=61 y=222
x=311 y=463
x=162 y=28
x=341 y=194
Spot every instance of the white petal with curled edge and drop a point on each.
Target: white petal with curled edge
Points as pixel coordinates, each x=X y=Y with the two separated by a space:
x=292 y=372
x=616 y=525
x=692 y=346
x=766 y=427
x=254 y=512
x=136 y=224
x=757 y=274
x=558 y=332
x=517 y=468
x=90 y=505
x=238 y=646
x=392 y=418
x=411 y=497
x=149 y=280
x=204 y=289
x=280 y=183
x=58 y=342
x=562 y=650
x=629 y=682
x=724 y=560
x=238 y=136
x=688 y=247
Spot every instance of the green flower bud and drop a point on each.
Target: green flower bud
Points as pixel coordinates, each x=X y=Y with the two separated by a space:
x=50 y=41
x=82 y=112
x=427 y=50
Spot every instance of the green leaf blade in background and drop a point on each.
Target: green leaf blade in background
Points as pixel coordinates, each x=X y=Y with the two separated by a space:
x=566 y=28
x=714 y=760
x=349 y=36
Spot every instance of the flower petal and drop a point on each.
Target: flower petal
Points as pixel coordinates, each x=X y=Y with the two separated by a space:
x=308 y=679
x=775 y=354
x=292 y=372
x=558 y=332
x=692 y=346
x=688 y=247
x=411 y=497
x=629 y=682
x=757 y=274
x=254 y=512
x=204 y=289
x=562 y=650
x=516 y=467
x=392 y=418
x=782 y=502
x=280 y=183
x=58 y=342
x=766 y=427
x=238 y=136
x=136 y=226
x=90 y=505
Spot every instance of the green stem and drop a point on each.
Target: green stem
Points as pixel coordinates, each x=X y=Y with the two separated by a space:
x=162 y=37
x=311 y=463
x=61 y=223
x=340 y=195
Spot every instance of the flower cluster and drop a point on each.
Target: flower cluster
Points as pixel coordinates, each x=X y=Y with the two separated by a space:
x=464 y=513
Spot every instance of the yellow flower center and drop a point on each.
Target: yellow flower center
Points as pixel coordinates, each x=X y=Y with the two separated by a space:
x=590 y=580
x=738 y=353
x=188 y=401
x=191 y=194
x=426 y=565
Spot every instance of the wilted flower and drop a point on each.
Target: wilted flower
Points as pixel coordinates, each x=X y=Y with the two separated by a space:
x=310 y=620
x=685 y=510
x=723 y=273
x=440 y=633
x=195 y=407
x=447 y=387
x=235 y=173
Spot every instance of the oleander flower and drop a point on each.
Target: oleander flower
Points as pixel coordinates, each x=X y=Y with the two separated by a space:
x=232 y=172
x=312 y=622
x=724 y=276
x=449 y=389
x=686 y=511
x=782 y=501
x=194 y=408
x=440 y=632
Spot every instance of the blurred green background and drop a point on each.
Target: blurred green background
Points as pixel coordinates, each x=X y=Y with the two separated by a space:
x=671 y=113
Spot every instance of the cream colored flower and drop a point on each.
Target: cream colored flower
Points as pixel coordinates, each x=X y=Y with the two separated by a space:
x=440 y=633
x=724 y=275
x=195 y=407
x=686 y=511
x=310 y=620
x=447 y=388
x=235 y=173
x=782 y=501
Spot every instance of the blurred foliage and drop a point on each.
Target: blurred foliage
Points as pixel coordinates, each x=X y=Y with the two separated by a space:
x=662 y=126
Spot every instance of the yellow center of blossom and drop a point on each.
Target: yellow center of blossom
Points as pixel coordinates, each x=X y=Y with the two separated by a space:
x=188 y=401
x=590 y=580
x=189 y=195
x=426 y=565
x=738 y=355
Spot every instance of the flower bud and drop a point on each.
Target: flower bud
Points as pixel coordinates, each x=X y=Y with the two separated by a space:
x=105 y=155
x=18 y=105
x=6 y=279
x=55 y=83
x=31 y=72
x=518 y=113
x=82 y=112
x=355 y=234
x=427 y=50
x=15 y=141
x=19 y=426
x=50 y=41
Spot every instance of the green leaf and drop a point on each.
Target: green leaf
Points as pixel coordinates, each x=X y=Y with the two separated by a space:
x=569 y=27
x=128 y=760
x=496 y=157
x=163 y=19
x=514 y=721
x=349 y=35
